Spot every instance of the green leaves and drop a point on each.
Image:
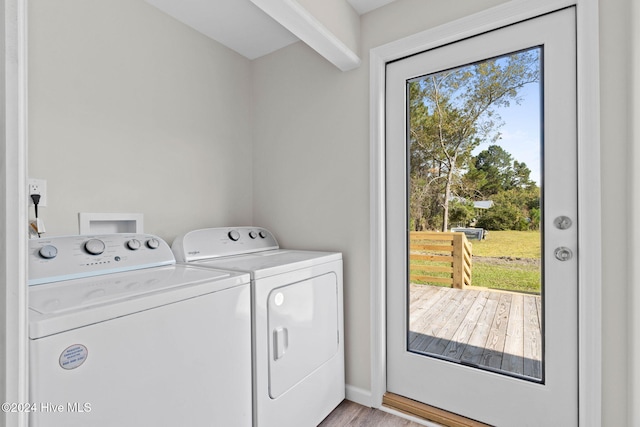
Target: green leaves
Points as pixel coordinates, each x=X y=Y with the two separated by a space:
x=450 y=114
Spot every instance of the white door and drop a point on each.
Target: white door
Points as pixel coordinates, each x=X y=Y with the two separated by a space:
x=547 y=393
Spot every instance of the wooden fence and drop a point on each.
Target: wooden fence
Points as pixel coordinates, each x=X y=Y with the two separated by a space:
x=430 y=252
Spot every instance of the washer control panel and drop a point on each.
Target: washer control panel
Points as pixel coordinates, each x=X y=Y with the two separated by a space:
x=68 y=257
x=223 y=241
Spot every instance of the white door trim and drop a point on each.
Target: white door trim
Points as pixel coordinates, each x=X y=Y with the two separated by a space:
x=589 y=203
x=14 y=213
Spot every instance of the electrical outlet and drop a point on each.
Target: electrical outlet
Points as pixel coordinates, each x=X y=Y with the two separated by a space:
x=37 y=186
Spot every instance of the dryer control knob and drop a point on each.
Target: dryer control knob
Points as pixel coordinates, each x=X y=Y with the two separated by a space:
x=134 y=244
x=48 y=252
x=234 y=235
x=263 y=234
x=153 y=243
x=253 y=234
x=94 y=246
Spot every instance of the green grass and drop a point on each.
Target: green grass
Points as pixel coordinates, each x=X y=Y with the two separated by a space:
x=514 y=278
x=516 y=244
x=506 y=260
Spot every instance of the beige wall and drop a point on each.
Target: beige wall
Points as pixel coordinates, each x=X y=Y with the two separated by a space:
x=131 y=111
x=634 y=224
x=615 y=73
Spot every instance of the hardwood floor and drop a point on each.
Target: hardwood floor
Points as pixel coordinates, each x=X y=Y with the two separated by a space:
x=500 y=331
x=354 y=415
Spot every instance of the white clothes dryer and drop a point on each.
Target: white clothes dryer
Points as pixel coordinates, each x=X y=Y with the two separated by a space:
x=121 y=335
x=298 y=333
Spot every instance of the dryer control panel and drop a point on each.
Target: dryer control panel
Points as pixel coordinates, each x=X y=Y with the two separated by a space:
x=222 y=241
x=70 y=257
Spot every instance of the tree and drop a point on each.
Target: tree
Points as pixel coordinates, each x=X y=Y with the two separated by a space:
x=513 y=209
x=425 y=170
x=521 y=176
x=496 y=163
x=453 y=111
x=501 y=171
x=461 y=212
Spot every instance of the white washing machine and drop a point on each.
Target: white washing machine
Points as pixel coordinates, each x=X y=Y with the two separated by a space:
x=121 y=335
x=298 y=338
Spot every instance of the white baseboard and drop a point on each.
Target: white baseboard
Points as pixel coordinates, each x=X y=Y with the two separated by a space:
x=416 y=420
x=358 y=395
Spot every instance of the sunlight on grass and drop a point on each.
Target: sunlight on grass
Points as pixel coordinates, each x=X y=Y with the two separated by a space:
x=508 y=260
x=514 y=278
x=516 y=244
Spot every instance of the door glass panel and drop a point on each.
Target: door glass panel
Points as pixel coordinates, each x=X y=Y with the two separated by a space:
x=474 y=215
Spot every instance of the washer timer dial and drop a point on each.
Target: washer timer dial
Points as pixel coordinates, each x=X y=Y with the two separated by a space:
x=134 y=244
x=94 y=246
x=48 y=252
x=153 y=243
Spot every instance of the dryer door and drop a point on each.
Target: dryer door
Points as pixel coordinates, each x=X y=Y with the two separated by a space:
x=303 y=329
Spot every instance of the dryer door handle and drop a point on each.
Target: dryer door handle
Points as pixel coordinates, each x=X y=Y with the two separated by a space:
x=280 y=342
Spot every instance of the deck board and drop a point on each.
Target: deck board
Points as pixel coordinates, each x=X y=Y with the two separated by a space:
x=472 y=353
x=497 y=330
x=463 y=333
x=532 y=356
x=512 y=359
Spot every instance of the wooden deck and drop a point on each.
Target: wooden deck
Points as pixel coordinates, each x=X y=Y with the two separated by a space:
x=498 y=331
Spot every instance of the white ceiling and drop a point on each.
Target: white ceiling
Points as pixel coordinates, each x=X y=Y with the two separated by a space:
x=239 y=24
x=364 y=6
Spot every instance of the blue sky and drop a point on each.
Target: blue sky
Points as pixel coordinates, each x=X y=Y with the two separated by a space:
x=520 y=134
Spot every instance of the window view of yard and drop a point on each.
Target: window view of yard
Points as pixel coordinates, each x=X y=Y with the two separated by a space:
x=474 y=204
x=506 y=260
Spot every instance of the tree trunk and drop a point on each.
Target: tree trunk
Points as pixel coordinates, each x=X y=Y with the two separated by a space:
x=447 y=196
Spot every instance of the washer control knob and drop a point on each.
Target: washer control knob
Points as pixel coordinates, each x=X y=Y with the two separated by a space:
x=153 y=243
x=94 y=246
x=234 y=235
x=48 y=252
x=134 y=244
x=263 y=234
x=253 y=234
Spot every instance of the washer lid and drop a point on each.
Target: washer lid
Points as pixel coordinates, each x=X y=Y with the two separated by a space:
x=270 y=263
x=70 y=304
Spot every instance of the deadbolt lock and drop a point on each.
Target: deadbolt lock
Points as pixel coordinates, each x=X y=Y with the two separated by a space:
x=562 y=222
x=563 y=254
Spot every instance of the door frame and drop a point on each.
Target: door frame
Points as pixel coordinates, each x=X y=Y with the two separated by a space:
x=589 y=202
x=14 y=214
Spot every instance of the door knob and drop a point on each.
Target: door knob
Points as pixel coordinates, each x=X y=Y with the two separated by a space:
x=563 y=254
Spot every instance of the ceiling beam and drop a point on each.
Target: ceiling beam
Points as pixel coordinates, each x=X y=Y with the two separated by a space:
x=308 y=28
